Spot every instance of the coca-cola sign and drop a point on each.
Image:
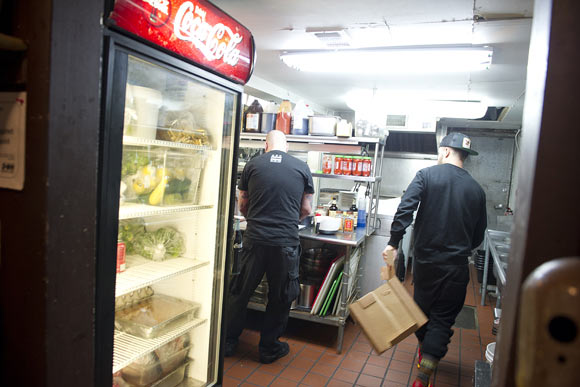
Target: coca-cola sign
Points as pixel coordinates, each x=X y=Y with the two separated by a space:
x=196 y=30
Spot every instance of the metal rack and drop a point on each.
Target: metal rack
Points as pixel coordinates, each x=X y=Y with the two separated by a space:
x=151 y=272
x=334 y=144
x=129 y=348
x=354 y=242
x=135 y=210
x=140 y=141
x=350 y=279
x=497 y=245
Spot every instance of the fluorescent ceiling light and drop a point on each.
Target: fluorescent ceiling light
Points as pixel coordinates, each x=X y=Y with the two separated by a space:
x=369 y=103
x=392 y=60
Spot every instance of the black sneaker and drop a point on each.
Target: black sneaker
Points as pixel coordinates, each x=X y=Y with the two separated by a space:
x=231 y=347
x=280 y=353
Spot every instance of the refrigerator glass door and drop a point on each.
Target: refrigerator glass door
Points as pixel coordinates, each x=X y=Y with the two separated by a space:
x=173 y=213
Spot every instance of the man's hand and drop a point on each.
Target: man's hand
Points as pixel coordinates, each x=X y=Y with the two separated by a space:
x=389 y=256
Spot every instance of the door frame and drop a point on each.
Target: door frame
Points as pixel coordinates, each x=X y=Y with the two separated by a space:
x=546 y=220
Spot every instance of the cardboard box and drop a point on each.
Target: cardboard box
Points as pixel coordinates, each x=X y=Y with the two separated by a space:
x=387 y=315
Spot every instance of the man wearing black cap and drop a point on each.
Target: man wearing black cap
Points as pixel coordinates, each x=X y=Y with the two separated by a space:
x=450 y=223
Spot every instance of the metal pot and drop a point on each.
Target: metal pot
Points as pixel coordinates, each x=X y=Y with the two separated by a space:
x=307 y=293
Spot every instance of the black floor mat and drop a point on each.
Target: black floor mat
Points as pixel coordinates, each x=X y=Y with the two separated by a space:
x=467 y=318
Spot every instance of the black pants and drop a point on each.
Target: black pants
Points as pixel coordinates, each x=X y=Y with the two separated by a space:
x=440 y=293
x=281 y=267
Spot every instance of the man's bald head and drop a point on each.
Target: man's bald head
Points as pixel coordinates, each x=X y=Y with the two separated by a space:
x=276 y=140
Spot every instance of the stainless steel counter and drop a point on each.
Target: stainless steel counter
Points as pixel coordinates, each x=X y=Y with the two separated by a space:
x=497 y=244
x=340 y=238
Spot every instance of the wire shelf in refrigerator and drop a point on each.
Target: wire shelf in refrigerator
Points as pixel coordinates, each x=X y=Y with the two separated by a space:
x=128 y=348
x=189 y=382
x=139 y=141
x=134 y=210
x=151 y=272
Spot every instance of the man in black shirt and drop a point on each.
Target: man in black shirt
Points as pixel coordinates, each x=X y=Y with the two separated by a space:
x=275 y=193
x=450 y=223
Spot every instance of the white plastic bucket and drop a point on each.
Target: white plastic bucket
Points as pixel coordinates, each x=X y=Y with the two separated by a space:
x=489 y=352
x=147 y=104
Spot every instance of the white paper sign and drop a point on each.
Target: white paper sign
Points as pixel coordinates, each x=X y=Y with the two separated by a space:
x=12 y=139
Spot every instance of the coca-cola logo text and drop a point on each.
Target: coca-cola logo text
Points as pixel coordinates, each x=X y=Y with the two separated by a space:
x=215 y=42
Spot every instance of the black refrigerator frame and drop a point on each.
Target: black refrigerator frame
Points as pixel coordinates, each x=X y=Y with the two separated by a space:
x=116 y=49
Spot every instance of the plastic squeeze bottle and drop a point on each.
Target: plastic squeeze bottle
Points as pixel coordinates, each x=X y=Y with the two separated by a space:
x=284 y=117
x=299 y=119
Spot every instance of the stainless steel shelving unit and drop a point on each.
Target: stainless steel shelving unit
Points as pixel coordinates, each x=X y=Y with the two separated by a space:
x=336 y=145
x=354 y=242
x=497 y=245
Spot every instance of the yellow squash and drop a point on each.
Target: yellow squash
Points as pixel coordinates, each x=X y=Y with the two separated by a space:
x=157 y=194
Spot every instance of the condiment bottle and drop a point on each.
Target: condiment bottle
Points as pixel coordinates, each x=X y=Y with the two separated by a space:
x=284 y=117
x=354 y=212
x=367 y=166
x=362 y=213
x=346 y=165
x=300 y=119
x=253 y=116
x=338 y=165
x=348 y=222
x=333 y=208
x=357 y=165
x=326 y=164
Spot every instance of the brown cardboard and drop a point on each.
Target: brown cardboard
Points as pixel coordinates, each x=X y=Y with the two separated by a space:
x=387 y=315
x=388 y=271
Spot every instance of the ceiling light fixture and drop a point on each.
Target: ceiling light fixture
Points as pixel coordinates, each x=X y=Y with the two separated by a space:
x=392 y=60
x=373 y=102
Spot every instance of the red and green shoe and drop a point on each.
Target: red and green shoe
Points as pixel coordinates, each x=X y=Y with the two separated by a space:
x=417 y=383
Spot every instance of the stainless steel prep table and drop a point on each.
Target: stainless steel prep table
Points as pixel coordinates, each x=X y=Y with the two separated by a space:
x=351 y=241
x=497 y=244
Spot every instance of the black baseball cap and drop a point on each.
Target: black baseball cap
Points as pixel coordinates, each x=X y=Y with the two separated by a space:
x=459 y=141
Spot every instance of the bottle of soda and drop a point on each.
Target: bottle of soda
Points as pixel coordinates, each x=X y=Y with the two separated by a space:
x=253 y=115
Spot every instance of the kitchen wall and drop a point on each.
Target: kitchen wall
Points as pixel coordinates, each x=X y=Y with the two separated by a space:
x=399 y=171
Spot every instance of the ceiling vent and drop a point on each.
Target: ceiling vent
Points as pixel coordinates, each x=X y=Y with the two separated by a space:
x=410 y=123
x=334 y=38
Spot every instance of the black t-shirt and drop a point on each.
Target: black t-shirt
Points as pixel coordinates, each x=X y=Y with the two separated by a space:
x=451 y=220
x=275 y=182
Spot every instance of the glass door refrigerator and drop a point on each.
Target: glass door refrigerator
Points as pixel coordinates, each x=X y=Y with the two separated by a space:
x=173 y=76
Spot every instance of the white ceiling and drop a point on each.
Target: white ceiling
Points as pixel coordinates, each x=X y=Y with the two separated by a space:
x=282 y=25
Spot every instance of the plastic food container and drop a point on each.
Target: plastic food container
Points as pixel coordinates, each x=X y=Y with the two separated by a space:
x=155 y=316
x=149 y=369
x=322 y=126
x=147 y=103
x=174 y=378
x=159 y=177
